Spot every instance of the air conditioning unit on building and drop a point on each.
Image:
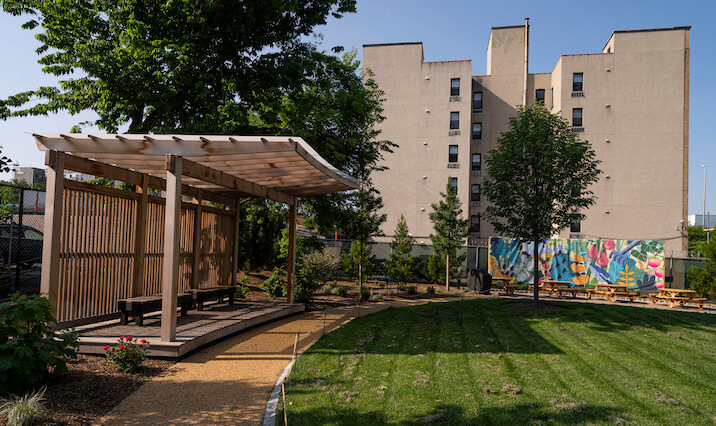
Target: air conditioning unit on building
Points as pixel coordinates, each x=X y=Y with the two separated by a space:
x=453 y=165
x=455 y=99
x=454 y=133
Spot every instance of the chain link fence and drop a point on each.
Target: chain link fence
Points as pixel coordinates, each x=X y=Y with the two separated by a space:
x=22 y=220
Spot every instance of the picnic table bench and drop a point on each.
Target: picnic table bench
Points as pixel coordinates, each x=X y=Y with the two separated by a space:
x=505 y=284
x=201 y=295
x=559 y=287
x=610 y=291
x=138 y=306
x=672 y=296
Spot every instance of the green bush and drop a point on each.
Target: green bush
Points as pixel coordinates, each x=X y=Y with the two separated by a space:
x=128 y=354
x=583 y=290
x=244 y=280
x=703 y=280
x=31 y=352
x=430 y=289
x=327 y=288
x=321 y=264
x=349 y=262
x=306 y=285
x=411 y=290
x=274 y=285
x=364 y=294
x=242 y=291
x=24 y=410
x=340 y=291
x=524 y=287
x=375 y=297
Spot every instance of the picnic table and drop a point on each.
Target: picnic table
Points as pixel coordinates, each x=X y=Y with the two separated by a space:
x=672 y=296
x=505 y=284
x=610 y=291
x=559 y=287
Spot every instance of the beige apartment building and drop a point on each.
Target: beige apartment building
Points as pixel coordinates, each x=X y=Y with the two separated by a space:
x=631 y=102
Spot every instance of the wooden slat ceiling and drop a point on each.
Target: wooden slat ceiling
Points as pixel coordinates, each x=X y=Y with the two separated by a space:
x=283 y=163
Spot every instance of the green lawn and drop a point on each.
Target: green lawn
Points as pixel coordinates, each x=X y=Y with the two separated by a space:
x=483 y=361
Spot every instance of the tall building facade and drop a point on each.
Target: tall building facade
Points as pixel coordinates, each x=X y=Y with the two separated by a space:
x=631 y=102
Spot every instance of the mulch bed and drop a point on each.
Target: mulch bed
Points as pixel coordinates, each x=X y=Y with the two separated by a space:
x=92 y=388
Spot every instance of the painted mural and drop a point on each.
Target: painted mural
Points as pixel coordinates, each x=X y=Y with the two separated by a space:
x=637 y=264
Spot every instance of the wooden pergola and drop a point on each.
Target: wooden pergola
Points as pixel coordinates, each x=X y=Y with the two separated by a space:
x=221 y=169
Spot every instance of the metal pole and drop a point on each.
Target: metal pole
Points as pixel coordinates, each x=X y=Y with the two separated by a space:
x=703 y=214
x=19 y=240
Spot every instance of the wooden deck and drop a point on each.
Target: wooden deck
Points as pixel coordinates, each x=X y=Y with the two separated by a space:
x=197 y=329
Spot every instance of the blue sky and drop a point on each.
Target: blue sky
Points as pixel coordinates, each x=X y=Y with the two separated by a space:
x=449 y=30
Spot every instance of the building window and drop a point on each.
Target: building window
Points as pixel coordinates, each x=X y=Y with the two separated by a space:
x=452 y=154
x=475 y=223
x=477 y=130
x=577 y=117
x=477 y=100
x=476 y=161
x=577 y=80
x=575 y=226
x=454 y=120
x=453 y=183
x=539 y=95
x=455 y=87
x=475 y=192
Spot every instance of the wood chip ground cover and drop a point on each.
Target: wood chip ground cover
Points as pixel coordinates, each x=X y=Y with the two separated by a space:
x=480 y=362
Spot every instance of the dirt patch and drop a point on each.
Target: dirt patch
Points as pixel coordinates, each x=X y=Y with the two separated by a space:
x=530 y=306
x=92 y=388
x=666 y=399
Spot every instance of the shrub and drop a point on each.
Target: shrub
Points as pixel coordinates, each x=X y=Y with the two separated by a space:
x=349 y=262
x=411 y=290
x=430 y=289
x=274 y=285
x=128 y=354
x=327 y=288
x=306 y=285
x=703 y=280
x=242 y=291
x=524 y=287
x=321 y=264
x=375 y=297
x=340 y=291
x=457 y=293
x=30 y=351
x=24 y=410
x=364 y=294
x=381 y=284
x=244 y=280
x=583 y=290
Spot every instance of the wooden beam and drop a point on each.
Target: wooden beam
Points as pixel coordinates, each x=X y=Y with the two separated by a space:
x=235 y=255
x=217 y=177
x=170 y=270
x=195 y=254
x=140 y=228
x=50 y=278
x=291 y=273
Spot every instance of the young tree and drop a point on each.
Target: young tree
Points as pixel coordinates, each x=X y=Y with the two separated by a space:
x=538 y=179
x=703 y=280
x=400 y=265
x=450 y=229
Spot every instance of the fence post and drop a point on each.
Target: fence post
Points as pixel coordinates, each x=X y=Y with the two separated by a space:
x=49 y=281
x=19 y=240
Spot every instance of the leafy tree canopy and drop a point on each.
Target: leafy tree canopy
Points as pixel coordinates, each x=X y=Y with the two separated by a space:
x=450 y=229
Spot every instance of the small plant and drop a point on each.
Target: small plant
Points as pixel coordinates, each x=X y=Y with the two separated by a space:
x=321 y=264
x=376 y=297
x=583 y=290
x=244 y=280
x=274 y=285
x=128 y=354
x=381 y=284
x=524 y=287
x=335 y=283
x=242 y=291
x=340 y=291
x=327 y=288
x=412 y=290
x=430 y=289
x=24 y=410
x=364 y=294
x=306 y=285
x=457 y=293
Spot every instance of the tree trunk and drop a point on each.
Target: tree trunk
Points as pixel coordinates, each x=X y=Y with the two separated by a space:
x=360 y=266
x=447 y=271
x=536 y=272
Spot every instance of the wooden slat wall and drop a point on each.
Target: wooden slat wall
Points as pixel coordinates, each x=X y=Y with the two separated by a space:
x=97 y=250
x=96 y=253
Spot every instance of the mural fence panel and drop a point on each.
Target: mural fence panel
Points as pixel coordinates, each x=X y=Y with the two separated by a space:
x=637 y=264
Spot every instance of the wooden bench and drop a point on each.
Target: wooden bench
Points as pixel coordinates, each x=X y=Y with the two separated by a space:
x=672 y=296
x=611 y=292
x=201 y=295
x=138 y=306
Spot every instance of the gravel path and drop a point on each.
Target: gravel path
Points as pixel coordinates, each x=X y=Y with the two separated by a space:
x=230 y=382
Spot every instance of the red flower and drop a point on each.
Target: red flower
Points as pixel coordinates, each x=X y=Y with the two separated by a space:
x=121 y=337
x=121 y=347
x=143 y=341
x=131 y=356
x=105 y=348
x=129 y=339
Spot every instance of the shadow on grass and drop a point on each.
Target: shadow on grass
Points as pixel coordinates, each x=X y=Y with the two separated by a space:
x=457 y=415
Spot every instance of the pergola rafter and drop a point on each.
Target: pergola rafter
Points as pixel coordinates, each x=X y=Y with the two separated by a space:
x=221 y=169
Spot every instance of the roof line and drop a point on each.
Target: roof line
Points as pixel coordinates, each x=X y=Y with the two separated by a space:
x=392 y=44
x=646 y=30
x=508 y=26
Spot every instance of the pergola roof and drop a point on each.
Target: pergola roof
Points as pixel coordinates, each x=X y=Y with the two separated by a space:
x=280 y=164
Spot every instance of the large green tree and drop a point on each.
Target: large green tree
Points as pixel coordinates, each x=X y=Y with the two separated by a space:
x=450 y=229
x=176 y=66
x=538 y=178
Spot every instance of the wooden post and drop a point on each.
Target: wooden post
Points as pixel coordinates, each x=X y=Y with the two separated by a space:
x=50 y=278
x=196 y=250
x=172 y=228
x=140 y=237
x=235 y=256
x=291 y=250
